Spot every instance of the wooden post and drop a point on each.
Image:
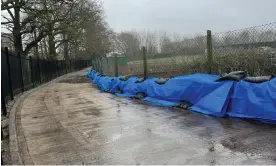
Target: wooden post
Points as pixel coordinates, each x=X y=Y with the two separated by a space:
x=116 y=65
x=209 y=51
x=145 y=60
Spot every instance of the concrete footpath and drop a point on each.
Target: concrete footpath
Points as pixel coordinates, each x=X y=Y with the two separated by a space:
x=71 y=122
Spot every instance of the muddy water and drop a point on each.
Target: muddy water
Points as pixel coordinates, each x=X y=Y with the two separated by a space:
x=99 y=128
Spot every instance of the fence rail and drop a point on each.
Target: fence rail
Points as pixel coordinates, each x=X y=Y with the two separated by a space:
x=251 y=49
x=19 y=73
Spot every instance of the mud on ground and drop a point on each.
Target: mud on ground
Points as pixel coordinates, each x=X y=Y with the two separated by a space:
x=75 y=79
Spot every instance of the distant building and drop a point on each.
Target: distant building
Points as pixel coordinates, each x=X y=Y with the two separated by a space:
x=7 y=41
x=112 y=54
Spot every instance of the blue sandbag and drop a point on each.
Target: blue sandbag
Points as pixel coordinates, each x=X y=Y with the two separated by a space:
x=208 y=96
x=124 y=86
x=131 y=87
x=254 y=101
x=160 y=102
x=96 y=78
x=235 y=99
x=105 y=83
x=90 y=74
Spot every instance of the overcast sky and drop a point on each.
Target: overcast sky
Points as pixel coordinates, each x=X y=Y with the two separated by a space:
x=188 y=17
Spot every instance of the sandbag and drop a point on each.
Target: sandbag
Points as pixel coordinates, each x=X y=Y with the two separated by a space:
x=127 y=86
x=199 y=89
x=140 y=80
x=161 y=81
x=120 y=91
x=104 y=83
x=140 y=95
x=233 y=76
x=201 y=93
x=184 y=105
x=125 y=78
x=254 y=101
x=260 y=79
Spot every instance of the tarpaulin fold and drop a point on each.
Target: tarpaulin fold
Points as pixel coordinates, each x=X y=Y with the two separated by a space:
x=225 y=98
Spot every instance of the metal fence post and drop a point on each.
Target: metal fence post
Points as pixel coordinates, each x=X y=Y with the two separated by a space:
x=57 y=68
x=71 y=65
x=80 y=64
x=116 y=65
x=46 y=72
x=3 y=102
x=66 y=69
x=209 y=51
x=21 y=72
x=52 y=70
x=38 y=68
x=9 y=72
x=145 y=60
x=31 y=68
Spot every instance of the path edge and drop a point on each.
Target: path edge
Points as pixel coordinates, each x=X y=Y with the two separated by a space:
x=13 y=141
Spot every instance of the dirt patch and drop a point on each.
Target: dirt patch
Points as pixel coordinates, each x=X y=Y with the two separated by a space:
x=5 y=151
x=75 y=79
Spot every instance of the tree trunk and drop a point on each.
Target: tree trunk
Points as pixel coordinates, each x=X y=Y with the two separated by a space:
x=42 y=54
x=46 y=54
x=65 y=44
x=52 y=48
x=16 y=31
x=36 y=47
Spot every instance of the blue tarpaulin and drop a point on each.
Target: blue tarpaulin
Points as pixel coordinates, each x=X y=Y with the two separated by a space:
x=254 y=100
x=226 y=98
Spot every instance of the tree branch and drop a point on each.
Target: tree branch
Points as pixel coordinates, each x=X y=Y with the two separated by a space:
x=5 y=5
x=7 y=36
x=9 y=11
x=30 y=45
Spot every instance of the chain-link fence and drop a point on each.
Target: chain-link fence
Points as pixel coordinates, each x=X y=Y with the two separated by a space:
x=251 y=49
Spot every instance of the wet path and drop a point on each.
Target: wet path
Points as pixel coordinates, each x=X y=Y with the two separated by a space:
x=67 y=123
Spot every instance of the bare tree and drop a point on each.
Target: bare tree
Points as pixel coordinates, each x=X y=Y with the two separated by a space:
x=129 y=43
x=149 y=40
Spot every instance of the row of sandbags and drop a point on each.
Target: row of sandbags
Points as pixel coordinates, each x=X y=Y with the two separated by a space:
x=205 y=93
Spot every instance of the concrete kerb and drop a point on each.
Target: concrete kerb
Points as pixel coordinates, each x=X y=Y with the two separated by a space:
x=14 y=149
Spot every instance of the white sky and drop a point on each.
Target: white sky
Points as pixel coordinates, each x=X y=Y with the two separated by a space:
x=188 y=17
